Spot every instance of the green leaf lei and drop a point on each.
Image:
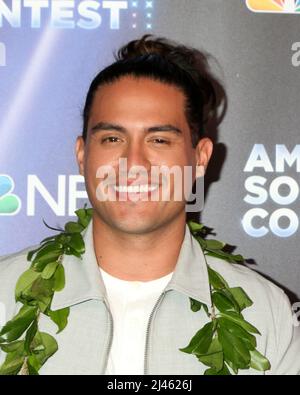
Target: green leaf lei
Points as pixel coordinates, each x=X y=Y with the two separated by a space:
x=225 y=344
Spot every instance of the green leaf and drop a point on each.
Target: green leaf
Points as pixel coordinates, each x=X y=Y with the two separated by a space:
x=237 y=258
x=73 y=227
x=12 y=364
x=25 y=282
x=63 y=238
x=83 y=216
x=31 y=368
x=216 y=280
x=222 y=302
x=49 y=270
x=214 y=244
x=70 y=251
x=18 y=324
x=223 y=372
x=41 y=292
x=238 y=331
x=195 y=305
x=44 y=243
x=59 y=278
x=48 y=239
x=195 y=226
x=31 y=332
x=50 y=253
x=201 y=341
x=234 y=348
x=34 y=363
x=213 y=356
x=239 y=319
x=38 y=349
x=13 y=346
x=49 y=348
x=89 y=212
x=241 y=297
x=32 y=252
x=231 y=258
x=229 y=295
x=77 y=243
x=232 y=366
x=258 y=361
x=14 y=359
x=60 y=318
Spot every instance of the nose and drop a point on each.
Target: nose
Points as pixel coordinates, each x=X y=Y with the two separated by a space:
x=136 y=156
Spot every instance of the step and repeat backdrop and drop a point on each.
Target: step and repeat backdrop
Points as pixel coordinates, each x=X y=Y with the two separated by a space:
x=51 y=49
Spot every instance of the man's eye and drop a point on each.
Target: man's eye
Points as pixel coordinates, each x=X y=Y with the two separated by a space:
x=161 y=141
x=110 y=139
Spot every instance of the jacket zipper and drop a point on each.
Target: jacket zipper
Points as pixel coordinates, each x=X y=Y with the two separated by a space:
x=111 y=322
x=148 y=331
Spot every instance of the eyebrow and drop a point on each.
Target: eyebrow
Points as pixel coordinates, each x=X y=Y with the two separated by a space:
x=102 y=126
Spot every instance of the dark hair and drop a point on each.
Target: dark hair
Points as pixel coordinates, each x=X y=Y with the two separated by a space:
x=168 y=62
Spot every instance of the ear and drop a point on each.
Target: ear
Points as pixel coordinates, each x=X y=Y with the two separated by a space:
x=203 y=152
x=79 y=148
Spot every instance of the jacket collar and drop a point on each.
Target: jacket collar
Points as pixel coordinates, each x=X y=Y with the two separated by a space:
x=84 y=281
x=190 y=274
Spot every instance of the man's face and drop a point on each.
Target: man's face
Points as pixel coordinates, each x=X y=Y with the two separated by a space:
x=142 y=121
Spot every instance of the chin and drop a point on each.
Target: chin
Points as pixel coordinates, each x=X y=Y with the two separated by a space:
x=138 y=218
x=135 y=226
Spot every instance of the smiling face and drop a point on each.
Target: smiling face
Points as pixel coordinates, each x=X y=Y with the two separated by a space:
x=144 y=122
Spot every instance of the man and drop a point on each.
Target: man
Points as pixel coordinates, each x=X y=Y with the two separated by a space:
x=129 y=296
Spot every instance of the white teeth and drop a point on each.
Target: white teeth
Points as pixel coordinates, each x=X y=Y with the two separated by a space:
x=135 y=188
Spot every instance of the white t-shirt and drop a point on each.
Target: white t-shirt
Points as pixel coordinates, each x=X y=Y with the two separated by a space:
x=131 y=303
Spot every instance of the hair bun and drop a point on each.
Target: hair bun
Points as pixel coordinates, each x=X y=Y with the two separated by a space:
x=146 y=45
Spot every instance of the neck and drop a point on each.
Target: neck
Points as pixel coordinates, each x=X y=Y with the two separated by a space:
x=138 y=257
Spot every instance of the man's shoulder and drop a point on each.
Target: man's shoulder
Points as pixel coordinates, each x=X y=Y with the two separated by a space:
x=240 y=275
x=15 y=263
x=271 y=314
x=11 y=268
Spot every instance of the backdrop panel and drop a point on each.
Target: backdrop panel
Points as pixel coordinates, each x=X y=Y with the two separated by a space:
x=50 y=51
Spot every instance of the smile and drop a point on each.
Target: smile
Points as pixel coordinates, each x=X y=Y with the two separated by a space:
x=135 y=188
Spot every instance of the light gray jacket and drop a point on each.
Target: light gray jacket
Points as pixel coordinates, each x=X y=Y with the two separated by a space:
x=85 y=343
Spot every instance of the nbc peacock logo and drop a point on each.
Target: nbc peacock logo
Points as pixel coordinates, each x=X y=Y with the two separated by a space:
x=280 y=6
x=10 y=204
